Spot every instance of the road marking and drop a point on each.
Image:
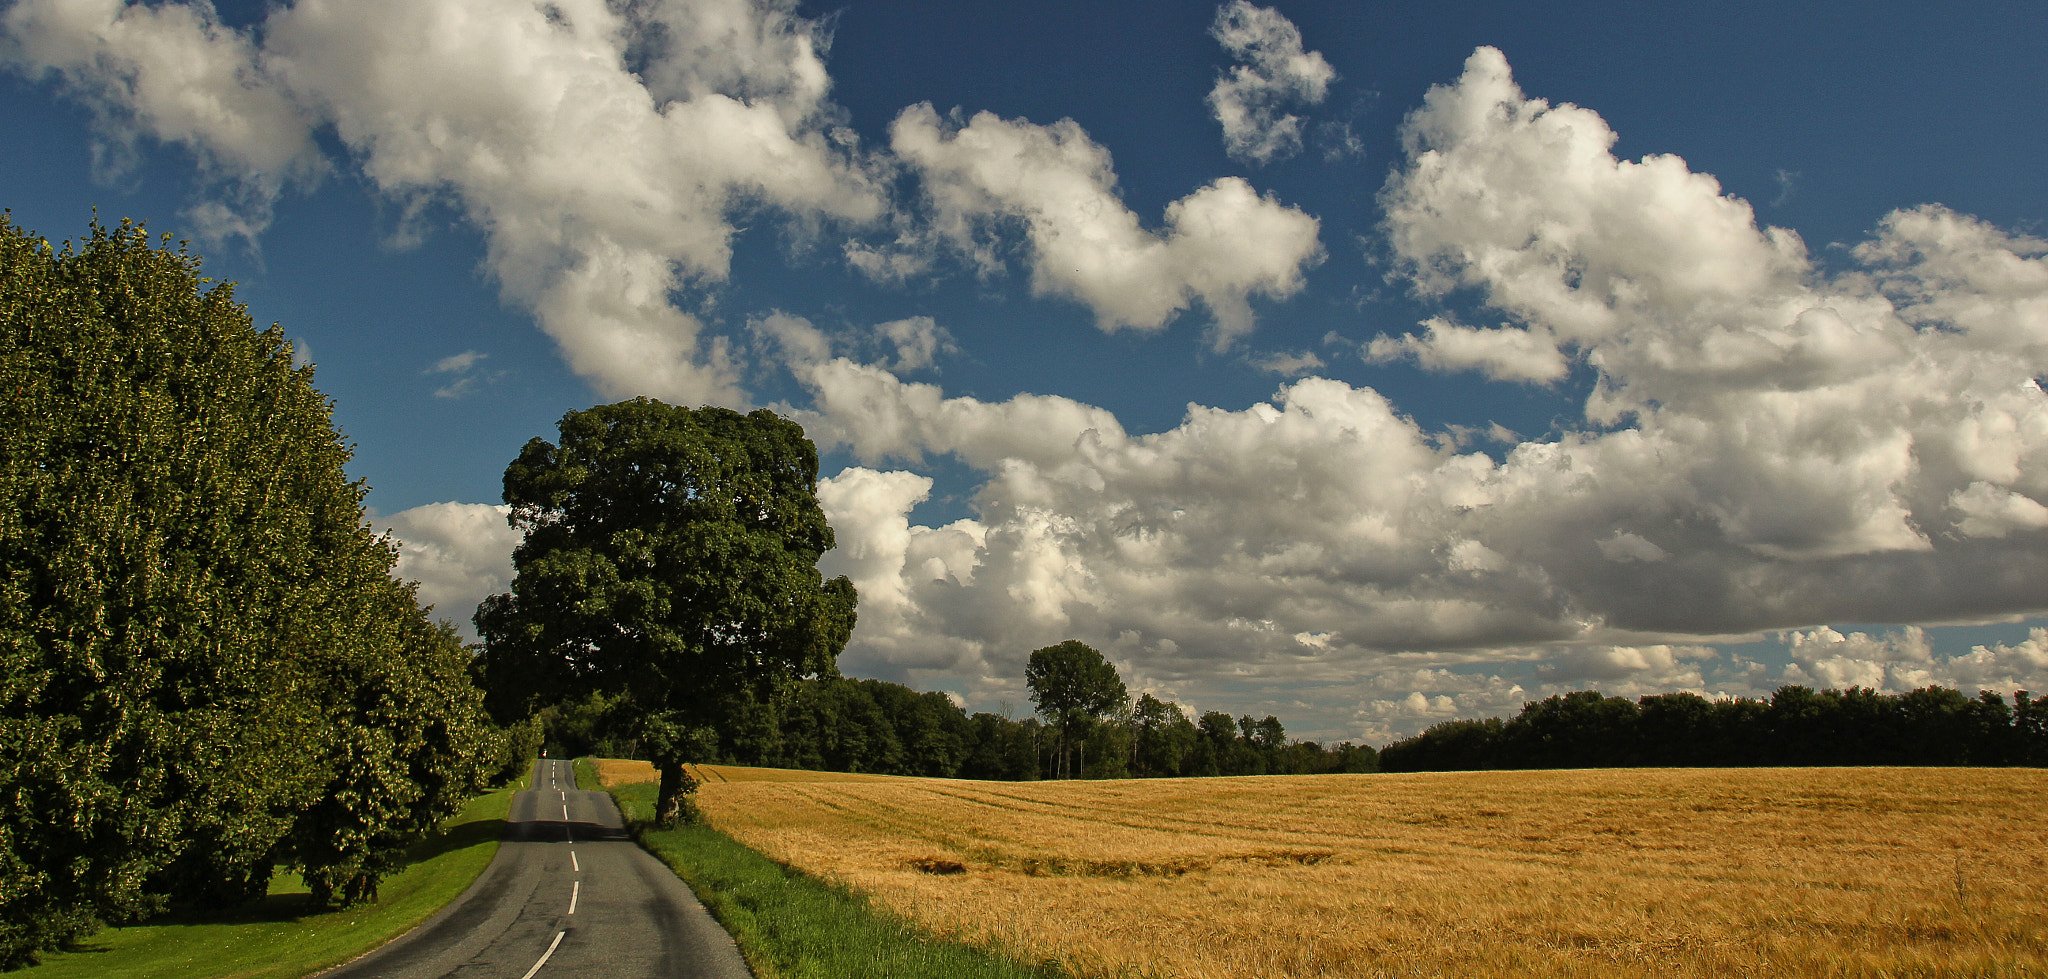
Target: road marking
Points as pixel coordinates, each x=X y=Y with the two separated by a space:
x=565 y=796
x=574 y=892
x=565 y=813
x=544 y=956
x=573 y=865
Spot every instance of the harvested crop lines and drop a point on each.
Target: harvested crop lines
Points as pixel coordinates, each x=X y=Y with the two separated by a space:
x=1783 y=872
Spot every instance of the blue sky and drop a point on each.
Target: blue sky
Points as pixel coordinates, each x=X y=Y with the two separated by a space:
x=1366 y=364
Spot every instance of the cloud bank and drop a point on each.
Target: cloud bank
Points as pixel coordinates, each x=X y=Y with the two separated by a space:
x=1767 y=446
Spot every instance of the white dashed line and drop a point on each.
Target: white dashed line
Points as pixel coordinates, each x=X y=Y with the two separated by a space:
x=573 y=865
x=565 y=814
x=544 y=956
x=575 y=892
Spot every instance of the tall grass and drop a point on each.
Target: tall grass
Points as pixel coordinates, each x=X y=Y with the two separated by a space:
x=793 y=926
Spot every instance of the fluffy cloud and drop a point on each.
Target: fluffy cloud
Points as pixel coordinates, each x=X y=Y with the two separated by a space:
x=1272 y=73
x=175 y=73
x=1902 y=661
x=458 y=552
x=1504 y=354
x=701 y=108
x=918 y=342
x=1767 y=447
x=1221 y=245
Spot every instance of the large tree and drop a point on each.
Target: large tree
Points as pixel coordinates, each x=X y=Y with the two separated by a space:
x=1072 y=686
x=670 y=556
x=200 y=641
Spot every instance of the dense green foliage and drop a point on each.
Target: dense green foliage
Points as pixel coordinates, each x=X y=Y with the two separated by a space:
x=670 y=558
x=206 y=669
x=276 y=938
x=1797 y=726
x=1074 y=687
x=790 y=925
x=834 y=724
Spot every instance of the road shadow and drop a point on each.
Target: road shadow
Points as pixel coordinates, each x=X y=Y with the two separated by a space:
x=556 y=831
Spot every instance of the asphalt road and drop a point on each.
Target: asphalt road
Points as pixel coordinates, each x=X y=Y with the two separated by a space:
x=567 y=895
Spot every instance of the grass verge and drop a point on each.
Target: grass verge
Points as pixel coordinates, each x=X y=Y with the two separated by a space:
x=281 y=937
x=793 y=926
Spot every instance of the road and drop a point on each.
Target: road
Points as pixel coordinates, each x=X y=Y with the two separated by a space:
x=569 y=894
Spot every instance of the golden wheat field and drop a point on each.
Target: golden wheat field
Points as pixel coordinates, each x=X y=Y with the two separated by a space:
x=1760 y=872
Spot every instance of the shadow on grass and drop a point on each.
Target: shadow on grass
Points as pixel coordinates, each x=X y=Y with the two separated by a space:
x=457 y=838
x=285 y=908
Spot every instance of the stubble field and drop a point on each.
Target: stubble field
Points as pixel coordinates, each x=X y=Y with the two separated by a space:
x=1757 y=872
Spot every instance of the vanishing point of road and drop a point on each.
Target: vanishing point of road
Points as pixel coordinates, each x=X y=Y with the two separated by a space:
x=569 y=894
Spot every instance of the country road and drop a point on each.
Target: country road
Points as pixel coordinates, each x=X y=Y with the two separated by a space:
x=569 y=894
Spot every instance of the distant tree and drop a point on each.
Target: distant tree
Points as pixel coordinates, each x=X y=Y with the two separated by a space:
x=1165 y=738
x=670 y=556
x=1581 y=729
x=1677 y=730
x=1072 y=686
x=201 y=645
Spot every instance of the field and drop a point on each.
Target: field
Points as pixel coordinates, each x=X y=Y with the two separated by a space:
x=1759 y=872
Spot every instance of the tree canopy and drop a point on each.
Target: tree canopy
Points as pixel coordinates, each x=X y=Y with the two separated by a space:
x=206 y=669
x=1072 y=685
x=670 y=557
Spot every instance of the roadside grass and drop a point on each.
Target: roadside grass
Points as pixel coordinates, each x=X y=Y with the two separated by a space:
x=793 y=926
x=281 y=937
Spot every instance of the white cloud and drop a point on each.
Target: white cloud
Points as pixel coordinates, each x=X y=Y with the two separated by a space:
x=1767 y=446
x=1272 y=73
x=175 y=74
x=599 y=148
x=918 y=342
x=1504 y=354
x=468 y=376
x=459 y=553
x=1221 y=245
x=1903 y=660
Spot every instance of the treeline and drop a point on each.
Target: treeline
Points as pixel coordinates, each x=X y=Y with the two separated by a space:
x=207 y=672
x=1797 y=726
x=852 y=725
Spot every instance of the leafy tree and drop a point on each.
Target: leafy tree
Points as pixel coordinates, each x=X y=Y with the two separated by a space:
x=1072 y=686
x=670 y=556
x=1165 y=737
x=191 y=607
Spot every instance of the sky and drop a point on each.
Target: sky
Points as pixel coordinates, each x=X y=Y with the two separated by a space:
x=1366 y=364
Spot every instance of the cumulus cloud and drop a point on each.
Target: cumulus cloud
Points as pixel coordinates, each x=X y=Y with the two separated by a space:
x=1504 y=354
x=1766 y=446
x=1903 y=660
x=1272 y=73
x=602 y=149
x=1220 y=246
x=174 y=73
x=458 y=552
x=918 y=342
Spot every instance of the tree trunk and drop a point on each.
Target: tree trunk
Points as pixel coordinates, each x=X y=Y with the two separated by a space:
x=675 y=783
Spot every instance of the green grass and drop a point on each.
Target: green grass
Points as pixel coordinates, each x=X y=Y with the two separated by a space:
x=281 y=937
x=792 y=926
